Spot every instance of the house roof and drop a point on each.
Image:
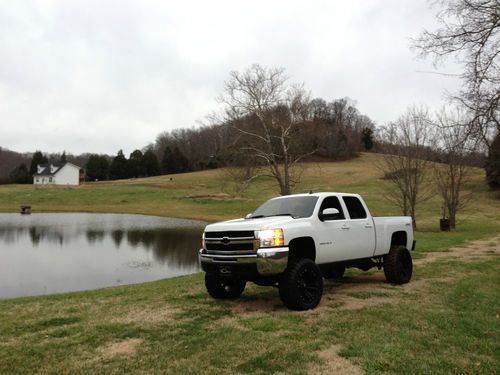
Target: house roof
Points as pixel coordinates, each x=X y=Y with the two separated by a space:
x=45 y=169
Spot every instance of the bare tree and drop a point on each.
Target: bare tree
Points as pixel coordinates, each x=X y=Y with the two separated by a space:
x=406 y=147
x=454 y=171
x=267 y=111
x=470 y=32
x=239 y=175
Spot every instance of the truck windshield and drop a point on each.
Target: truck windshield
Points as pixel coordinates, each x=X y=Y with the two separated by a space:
x=296 y=207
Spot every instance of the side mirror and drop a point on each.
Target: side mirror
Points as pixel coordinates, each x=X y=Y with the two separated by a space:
x=328 y=214
x=248 y=215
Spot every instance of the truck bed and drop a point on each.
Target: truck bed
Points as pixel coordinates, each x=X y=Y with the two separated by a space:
x=385 y=226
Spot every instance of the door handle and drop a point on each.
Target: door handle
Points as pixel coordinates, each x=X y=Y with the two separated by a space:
x=368 y=226
x=345 y=226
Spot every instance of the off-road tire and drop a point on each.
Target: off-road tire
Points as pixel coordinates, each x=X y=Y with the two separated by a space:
x=301 y=285
x=398 y=265
x=224 y=287
x=334 y=272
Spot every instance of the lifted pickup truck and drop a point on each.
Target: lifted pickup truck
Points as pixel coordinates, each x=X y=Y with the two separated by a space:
x=294 y=241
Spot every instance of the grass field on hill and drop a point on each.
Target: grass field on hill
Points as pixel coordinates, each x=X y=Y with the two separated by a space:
x=446 y=320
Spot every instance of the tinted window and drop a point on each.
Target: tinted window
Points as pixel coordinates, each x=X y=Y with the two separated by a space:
x=333 y=202
x=355 y=208
x=295 y=206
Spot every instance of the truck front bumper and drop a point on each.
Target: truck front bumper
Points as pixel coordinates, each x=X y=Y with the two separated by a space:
x=269 y=261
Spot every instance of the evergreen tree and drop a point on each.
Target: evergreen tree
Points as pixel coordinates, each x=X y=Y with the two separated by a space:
x=367 y=138
x=174 y=161
x=180 y=162
x=97 y=167
x=150 y=163
x=166 y=161
x=493 y=164
x=135 y=164
x=63 y=159
x=118 y=167
x=38 y=158
x=20 y=175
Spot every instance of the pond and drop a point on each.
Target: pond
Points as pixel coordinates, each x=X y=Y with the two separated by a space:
x=52 y=253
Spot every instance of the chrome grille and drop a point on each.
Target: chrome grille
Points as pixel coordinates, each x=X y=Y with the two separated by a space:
x=230 y=234
x=230 y=242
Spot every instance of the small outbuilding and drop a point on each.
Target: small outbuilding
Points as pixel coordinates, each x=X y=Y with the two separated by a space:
x=57 y=174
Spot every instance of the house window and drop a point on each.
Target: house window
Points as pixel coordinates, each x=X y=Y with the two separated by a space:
x=50 y=179
x=37 y=179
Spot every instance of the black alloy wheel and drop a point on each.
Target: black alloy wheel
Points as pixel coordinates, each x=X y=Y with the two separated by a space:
x=398 y=265
x=301 y=286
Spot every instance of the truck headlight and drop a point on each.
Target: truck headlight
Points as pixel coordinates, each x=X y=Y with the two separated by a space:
x=203 y=240
x=271 y=238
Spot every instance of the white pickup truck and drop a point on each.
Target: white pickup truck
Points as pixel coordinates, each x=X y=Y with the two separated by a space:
x=294 y=241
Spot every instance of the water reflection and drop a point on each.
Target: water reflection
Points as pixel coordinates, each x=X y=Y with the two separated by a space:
x=167 y=245
x=95 y=250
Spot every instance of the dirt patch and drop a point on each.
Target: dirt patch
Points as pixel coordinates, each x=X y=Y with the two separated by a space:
x=10 y=342
x=474 y=251
x=145 y=316
x=333 y=363
x=257 y=306
x=350 y=303
x=126 y=347
x=229 y=321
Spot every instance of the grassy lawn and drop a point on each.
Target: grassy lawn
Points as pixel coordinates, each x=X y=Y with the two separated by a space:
x=447 y=320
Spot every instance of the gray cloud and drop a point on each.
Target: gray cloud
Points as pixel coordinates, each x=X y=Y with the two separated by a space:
x=97 y=76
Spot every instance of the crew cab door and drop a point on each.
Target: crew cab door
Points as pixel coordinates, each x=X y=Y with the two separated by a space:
x=361 y=228
x=348 y=236
x=332 y=233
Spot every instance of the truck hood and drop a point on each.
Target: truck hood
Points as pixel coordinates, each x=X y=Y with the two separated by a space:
x=271 y=222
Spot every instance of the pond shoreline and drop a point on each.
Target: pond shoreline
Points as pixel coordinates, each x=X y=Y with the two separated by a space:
x=118 y=212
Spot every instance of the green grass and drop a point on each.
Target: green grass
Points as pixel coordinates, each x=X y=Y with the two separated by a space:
x=449 y=324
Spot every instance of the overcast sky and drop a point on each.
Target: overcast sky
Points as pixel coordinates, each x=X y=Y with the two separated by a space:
x=99 y=76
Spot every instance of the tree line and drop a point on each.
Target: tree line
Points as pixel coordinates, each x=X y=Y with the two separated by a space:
x=98 y=167
x=139 y=164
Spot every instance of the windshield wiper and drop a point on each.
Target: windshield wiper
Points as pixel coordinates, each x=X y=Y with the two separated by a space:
x=255 y=217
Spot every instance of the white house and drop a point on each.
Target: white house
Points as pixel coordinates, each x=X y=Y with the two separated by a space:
x=57 y=174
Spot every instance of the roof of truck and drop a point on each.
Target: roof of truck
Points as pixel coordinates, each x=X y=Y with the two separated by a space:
x=318 y=194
